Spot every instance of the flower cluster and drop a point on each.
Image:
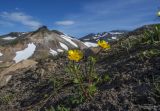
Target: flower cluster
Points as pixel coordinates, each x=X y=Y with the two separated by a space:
x=86 y=81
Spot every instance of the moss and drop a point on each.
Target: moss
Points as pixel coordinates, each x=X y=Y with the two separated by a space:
x=6 y=99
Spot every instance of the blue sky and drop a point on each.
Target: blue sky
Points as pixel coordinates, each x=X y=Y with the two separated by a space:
x=76 y=17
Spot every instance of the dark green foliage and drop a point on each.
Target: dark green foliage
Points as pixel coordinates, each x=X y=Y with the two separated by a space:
x=58 y=108
x=152 y=35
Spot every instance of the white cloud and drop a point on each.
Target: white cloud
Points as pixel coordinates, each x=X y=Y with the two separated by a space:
x=65 y=23
x=22 y=18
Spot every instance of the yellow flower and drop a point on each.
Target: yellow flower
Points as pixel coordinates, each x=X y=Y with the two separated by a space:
x=75 y=55
x=103 y=44
x=158 y=13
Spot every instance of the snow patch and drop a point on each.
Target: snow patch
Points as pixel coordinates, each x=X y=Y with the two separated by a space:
x=63 y=46
x=60 y=50
x=86 y=39
x=105 y=34
x=53 y=52
x=90 y=44
x=9 y=38
x=116 y=33
x=25 y=54
x=114 y=38
x=67 y=38
x=1 y=54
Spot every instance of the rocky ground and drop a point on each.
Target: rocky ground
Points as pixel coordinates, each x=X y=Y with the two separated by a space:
x=134 y=85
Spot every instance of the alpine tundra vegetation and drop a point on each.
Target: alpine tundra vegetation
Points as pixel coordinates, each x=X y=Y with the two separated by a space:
x=104 y=55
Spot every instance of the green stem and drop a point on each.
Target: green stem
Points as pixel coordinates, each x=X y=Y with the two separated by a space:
x=80 y=80
x=90 y=72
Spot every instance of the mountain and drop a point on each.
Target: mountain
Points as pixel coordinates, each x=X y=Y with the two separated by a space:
x=15 y=47
x=126 y=77
x=13 y=35
x=108 y=36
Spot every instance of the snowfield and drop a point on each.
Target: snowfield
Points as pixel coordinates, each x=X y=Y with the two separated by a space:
x=68 y=39
x=25 y=54
x=63 y=46
x=9 y=38
x=90 y=44
x=53 y=52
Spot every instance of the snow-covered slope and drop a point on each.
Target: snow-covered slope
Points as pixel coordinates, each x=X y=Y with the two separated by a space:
x=25 y=54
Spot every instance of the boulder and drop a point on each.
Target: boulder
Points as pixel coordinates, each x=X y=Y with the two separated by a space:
x=7 y=73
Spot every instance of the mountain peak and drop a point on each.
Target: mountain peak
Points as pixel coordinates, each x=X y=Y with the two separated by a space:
x=43 y=28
